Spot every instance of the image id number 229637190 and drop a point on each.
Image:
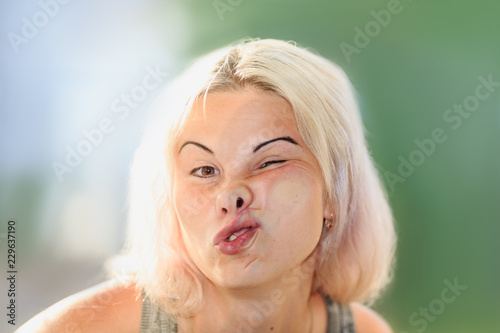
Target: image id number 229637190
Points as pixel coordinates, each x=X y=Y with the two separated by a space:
x=11 y=272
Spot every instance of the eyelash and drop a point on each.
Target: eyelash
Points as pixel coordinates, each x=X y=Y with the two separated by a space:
x=271 y=162
x=196 y=170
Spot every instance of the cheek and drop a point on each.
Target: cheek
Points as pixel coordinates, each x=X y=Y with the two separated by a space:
x=295 y=189
x=294 y=216
x=191 y=206
x=190 y=202
x=295 y=201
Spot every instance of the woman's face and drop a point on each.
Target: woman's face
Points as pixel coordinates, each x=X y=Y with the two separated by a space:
x=248 y=194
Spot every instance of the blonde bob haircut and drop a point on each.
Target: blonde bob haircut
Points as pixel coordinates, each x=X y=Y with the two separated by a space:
x=354 y=259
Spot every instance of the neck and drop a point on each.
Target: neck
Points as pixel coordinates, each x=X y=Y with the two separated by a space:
x=279 y=306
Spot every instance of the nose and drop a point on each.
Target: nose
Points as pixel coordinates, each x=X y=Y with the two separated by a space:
x=233 y=199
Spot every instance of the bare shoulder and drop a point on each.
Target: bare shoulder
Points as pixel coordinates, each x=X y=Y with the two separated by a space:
x=368 y=321
x=108 y=307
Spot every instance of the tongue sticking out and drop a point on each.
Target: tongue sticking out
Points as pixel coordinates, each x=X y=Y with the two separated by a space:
x=237 y=234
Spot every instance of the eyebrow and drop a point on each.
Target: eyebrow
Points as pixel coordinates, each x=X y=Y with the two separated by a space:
x=284 y=138
x=197 y=144
x=256 y=148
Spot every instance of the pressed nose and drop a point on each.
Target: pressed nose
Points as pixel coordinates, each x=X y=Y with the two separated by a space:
x=233 y=199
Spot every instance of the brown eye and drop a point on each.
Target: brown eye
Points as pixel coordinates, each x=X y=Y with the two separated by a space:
x=205 y=171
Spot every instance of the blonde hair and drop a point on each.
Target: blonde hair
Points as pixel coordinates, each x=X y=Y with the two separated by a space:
x=354 y=259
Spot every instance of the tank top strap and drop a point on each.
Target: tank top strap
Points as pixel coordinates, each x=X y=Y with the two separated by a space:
x=340 y=317
x=154 y=320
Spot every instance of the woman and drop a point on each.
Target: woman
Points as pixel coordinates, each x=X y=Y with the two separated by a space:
x=258 y=209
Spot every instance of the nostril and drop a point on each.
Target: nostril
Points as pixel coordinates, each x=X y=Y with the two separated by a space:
x=224 y=210
x=239 y=202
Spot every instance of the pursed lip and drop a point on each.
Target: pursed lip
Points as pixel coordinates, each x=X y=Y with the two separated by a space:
x=240 y=222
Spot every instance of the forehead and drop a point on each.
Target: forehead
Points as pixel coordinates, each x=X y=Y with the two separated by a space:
x=232 y=114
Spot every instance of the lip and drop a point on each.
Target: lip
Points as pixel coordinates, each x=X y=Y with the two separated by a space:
x=242 y=241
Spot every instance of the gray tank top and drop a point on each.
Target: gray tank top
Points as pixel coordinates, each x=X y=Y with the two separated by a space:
x=340 y=319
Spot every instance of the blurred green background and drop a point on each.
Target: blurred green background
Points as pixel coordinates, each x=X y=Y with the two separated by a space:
x=409 y=71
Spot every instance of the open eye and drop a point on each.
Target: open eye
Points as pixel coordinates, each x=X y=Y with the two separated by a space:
x=205 y=171
x=268 y=163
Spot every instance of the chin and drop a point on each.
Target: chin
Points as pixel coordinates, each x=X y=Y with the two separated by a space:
x=249 y=273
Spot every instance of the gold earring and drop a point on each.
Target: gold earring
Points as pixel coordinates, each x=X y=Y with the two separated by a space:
x=329 y=223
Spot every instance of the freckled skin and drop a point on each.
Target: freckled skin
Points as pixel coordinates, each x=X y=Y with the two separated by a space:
x=285 y=198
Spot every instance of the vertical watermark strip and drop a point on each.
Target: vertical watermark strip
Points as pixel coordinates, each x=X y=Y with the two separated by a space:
x=11 y=272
